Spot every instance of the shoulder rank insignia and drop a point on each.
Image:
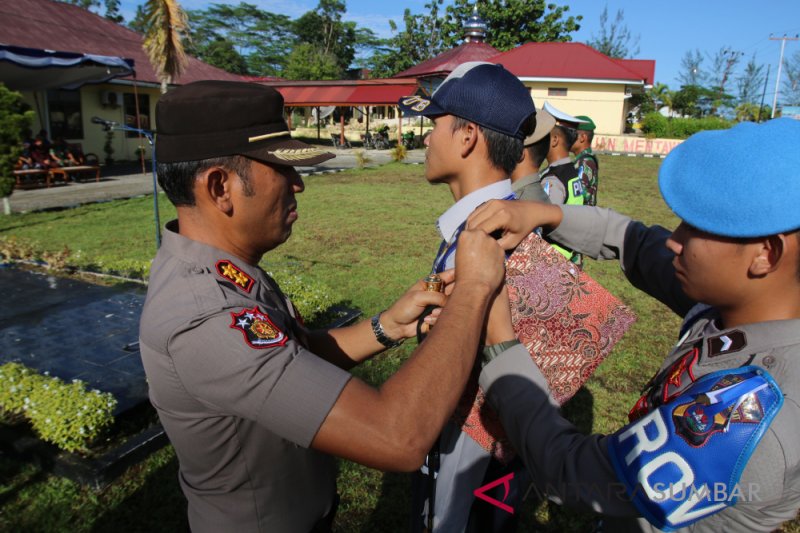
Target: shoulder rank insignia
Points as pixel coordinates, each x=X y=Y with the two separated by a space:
x=231 y=272
x=259 y=331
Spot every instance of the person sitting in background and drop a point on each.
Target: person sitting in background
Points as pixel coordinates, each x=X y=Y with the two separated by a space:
x=62 y=155
x=40 y=153
x=24 y=161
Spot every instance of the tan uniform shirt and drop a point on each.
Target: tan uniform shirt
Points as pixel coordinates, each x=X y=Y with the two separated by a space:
x=238 y=393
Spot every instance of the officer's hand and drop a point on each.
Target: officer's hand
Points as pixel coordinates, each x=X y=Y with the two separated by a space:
x=515 y=219
x=479 y=259
x=400 y=320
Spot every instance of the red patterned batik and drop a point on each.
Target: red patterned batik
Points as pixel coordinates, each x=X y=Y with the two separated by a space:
x=568 y=322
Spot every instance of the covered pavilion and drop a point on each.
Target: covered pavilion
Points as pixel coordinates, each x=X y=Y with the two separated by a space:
x=344 y=93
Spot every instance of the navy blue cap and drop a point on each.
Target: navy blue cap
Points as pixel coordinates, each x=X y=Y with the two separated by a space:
x=736 y=182
x=480 y=92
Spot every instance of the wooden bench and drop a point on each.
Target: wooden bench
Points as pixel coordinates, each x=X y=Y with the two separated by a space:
x=26 y=177
x=65 y=172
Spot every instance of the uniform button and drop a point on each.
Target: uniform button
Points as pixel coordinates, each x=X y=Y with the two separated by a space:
x=768 y=361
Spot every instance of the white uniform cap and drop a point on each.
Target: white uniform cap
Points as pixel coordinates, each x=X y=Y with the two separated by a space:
x=561 y=117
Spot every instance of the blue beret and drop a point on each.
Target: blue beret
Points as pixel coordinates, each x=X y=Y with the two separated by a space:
x=740 y=182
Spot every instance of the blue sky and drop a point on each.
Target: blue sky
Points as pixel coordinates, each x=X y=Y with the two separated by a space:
x=666 y=30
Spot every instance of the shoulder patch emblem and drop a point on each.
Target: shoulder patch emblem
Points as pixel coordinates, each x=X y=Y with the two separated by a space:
x=258 y=330
x=698 y=420
x=231 y=272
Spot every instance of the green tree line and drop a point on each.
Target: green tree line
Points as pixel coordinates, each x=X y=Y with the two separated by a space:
x=321 y=44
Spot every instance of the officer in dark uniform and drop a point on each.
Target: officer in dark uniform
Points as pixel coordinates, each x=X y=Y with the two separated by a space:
x=585 y=160
x=712 y=442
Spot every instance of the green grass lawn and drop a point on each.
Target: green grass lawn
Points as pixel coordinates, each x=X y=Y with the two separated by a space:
x=367 y=235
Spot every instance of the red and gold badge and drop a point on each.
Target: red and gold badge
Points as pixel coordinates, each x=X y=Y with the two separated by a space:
x=231 y=272
x=258 y=330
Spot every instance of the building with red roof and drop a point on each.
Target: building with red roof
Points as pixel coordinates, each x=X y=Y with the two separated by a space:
x=431 y=72
x=579 y=80
x=51 y=25
x=574 y=77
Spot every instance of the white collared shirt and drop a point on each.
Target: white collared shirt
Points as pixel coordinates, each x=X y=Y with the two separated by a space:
x=450 y=221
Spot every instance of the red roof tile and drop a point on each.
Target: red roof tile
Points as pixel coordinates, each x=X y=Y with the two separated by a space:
x=50 y=25
x=447 y=61
x=344 y=92
x=645 y=67
x=572 y=60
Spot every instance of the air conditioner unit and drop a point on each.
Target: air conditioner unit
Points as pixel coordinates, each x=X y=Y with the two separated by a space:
x=110 y=98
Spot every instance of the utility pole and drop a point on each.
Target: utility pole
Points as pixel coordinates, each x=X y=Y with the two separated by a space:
x=780 y=65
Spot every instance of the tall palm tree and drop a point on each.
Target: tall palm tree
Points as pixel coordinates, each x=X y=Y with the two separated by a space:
x=163 y=41
x=660 y=95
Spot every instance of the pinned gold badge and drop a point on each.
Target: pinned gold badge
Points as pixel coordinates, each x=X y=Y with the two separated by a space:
x=231 y=272
x=417 y=103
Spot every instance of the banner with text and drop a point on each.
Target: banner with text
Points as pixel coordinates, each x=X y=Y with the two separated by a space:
x=633 y=145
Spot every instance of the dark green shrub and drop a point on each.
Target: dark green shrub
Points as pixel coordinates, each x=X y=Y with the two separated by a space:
x=15 y=119
x=655 y=125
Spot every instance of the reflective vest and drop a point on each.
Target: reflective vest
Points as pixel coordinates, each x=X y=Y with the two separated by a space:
x=568 y=176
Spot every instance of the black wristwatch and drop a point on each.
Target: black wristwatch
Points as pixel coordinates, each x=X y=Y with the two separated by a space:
x=489 y=352
x=381 y=336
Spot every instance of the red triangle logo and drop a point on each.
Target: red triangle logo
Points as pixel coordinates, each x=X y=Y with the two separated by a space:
x=481 y=492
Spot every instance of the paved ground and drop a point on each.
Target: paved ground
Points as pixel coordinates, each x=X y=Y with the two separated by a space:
x=122 y=183
x=74 y=330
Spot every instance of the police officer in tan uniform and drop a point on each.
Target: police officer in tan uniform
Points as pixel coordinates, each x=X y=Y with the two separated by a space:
x=711 y=445
x=526 y=181
x=255 y=404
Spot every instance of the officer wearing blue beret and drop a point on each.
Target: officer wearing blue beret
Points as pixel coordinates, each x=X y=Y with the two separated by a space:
x=711 y=445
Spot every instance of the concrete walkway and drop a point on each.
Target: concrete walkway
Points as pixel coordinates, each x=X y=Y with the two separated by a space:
x=113 y=186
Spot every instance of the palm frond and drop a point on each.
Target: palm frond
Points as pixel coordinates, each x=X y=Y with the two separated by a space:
x=163 y=42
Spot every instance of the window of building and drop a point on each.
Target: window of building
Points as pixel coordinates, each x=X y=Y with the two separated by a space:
x=64 y=114
x=129 y=102
x=556 y=91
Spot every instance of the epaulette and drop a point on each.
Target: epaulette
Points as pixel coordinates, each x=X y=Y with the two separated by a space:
x=227 y=270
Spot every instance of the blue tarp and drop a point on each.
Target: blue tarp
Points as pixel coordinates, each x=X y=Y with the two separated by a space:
x=27 y=69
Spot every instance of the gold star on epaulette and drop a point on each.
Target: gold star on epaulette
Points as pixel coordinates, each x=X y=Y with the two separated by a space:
x=231 y=272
